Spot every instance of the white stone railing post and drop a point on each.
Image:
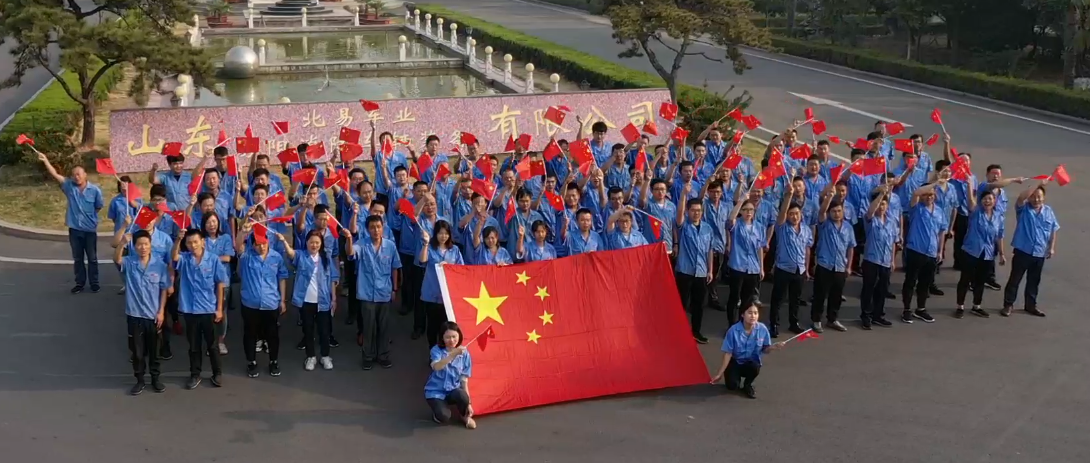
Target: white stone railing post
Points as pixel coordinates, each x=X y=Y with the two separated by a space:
x=401 y=47
x=416 y=19
x=471 y=48
x=555 y=79
x=427 y=24
x=529 y=77
x=408 y=16
x=439 y=29
x=261 y=52
x=507 y=68
x=304 y=10
x=356 y=15
x=454 y=35
x=249 y=18
x=487 y=61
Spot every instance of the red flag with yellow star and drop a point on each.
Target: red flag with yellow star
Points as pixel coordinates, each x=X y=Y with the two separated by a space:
x=592 y=325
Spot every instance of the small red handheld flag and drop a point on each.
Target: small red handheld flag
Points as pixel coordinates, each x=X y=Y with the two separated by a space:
x=834 y=172
x=249 y=131
x=910 y=163
x=468 y=139
x=861 y=143
x=650 y=128
x=1061 y=176
x=316 y=151
x=903 y=145
x=751 y=122
x=524 y=141
x=483 y=187
x=172 y=149
x=288 y=156
x=668 y=111
x=179 y=218
x=414 y=172
x=656 y=226
x=680 y=134
x=276 y=201
x=195 y=184
x=280 y=127
x=834 y=139
x=484 y=164
x=552 y=150
x=630 y=133
x=281 y=219
x=407 y=209
x=936 y=116
x=1042 y=177
x=801 y=152
x=641 y=160
x=537 y=168
x=442 y=172
x=523 y=168
x=232 y=166
x=818 y=127
x=510 y=212
x=424 y=162
x=874 y=166
x=581 y=152
x=247 y=145
x=554 y=115
x=261 y=233
x=387 y=148
x=306 y=176
x=350 y=152
x=737 y=138
x=732 y=161
x=510 y=146
x=105 y=166
x=895 y=128
x=350 y=135
x=931 y=140
x=222 y=139
x=808 y=334
x=736 y=114
x=808 y=113
x=145 y=217
x=554 y=200
x=133 y=193
x=482 y=339
x=369 y=106
x=22 y=139
x=336 y=178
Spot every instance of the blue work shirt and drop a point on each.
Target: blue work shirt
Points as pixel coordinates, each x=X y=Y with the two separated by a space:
x=915 y=179
x=536 y=253
x=83 y=205
x=577 y=244
x=375 y=270
x=983 y=233
x=119 y=209
x=429 y=289
x=946 y=196
x=482 y=256
x=665 y=212
x=792 y=247
x=747 y=239
x=524 y=220
x=678 y=187
x=306 y=271
x=924 y=226
x=468 y=232
x=767 y=214
x=177 y=188
x=859 y=193
x=716 y=216
x=962 y=189
x=394 y=217
x=694 y=243
x=144 y=285
x=601 y=151
x=746 y=348
x=833 y=243
x=442 y=382
x=882 y=233
x=261 y=278
x=1001 y=200
x=590 y=199
x=620 y=240
x=396 y=159
x=814 y=186
x=222 y=245
x=424 y=223
x=1034 y=230
x=198 y=281
x=161 y=246
x=573 y=227
x=617 y=176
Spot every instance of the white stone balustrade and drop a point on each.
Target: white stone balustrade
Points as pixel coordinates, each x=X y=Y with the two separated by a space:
x=529 y=77
x=402 y=43
x=507 y=68
x=555 y=79
x=304 y=11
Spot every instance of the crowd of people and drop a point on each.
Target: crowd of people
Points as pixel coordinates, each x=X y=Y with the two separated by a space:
x=801 y=218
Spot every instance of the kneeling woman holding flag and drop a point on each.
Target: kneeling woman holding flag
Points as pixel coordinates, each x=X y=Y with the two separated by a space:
x=448 y=384
x=743 y=346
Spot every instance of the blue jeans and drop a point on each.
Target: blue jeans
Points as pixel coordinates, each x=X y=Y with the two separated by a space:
x=84 y=243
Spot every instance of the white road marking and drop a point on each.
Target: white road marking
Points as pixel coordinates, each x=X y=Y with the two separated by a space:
x=20 y=260
x=836 y=104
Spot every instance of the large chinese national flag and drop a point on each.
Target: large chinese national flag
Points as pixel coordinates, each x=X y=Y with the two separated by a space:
x=591 y=325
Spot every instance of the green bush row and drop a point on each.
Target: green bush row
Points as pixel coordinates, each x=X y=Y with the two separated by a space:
x=577 y=66
x=52 y=117
x=1027 y=93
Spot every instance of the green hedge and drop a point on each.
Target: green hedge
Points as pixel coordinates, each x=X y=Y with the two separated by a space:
x=52 y=116
x=577 y=66
x=1035 y=95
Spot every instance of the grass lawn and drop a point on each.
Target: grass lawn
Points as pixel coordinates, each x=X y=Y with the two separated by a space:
x=26 y=199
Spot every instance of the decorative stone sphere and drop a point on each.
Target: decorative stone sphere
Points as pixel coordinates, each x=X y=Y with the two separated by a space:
x=402 y=39
x=472 y=42
x=488 y=50
x=529 y=67
x=427 y=16
x=354 y=8
x=285 y=99
x=508 y=58
x=554 y=78
x=390 y=96
x=240 y=63
x=304 y=10
x=439 y=21
x=453 y=26
x=181 y=91
x=261 y=42
x=416 y=12
x=184 y=79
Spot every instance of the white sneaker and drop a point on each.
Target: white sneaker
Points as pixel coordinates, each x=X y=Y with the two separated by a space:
x=223 y=349
x=258 y=347
x=309 y=364
x=121 y=292
x=327 y=363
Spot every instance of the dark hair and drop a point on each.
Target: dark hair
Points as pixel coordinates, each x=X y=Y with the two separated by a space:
x=321 y=249
x=360 y=185
x=260 y=171
x=449 y=326
x=206 y=218
x=302 y=149
x=430 y=138
x=140 y=234
x=400 y=169
x=874 y=135
x=320 y=208
x=373 y=219
x=618 y=146
x=583 y=210
x=857 y=152
x=715 y=184
x=613 y=190
x=880 y=122
x=685 y=164
x=794 y=205
x=356 y=170
x=441 y=225
x=993 y=166
x=656 y=182
x=204 y=196
x=539 y=223
x=573 y=186
x=599 y=127
x=122 y=179
x=220 y=151
x=941 y=164
x=188 y=233
x=420 y=183
x=836 y=203
x=916 y=136
x=823 y=143
x=261 y=156
x=210 y=170
x=523 y=193
x=173 y=159
x=488 y=231
x=159 y=190
x=259 y=187
x=384 y=134
x=694 y=202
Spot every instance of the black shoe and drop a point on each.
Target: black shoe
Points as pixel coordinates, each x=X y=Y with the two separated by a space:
x=749 y=392
x=403 y=310
x=385 y=363
x=157 y=385
x=217 y=380
x=274 y=369
x=774 y=330
x=890 y=295
x=95 y=288
x=923 y=315
x=802 y=302
x=992 y=285
x=1035 y=312
x=843 y=299
x=795 y=328
x=935 y=291
x=166 y=355
x=251 y=370
x=368 y=365
x=193 y=382
x=77 y=289
x=700 y=339
x=906 y=317
x=1006 y=312
x=882 y=322
x=137 y=388
x=866 y=325
x=299 y=322
x=349 y=320
x=959 y=313
x=333 y=342
x=979 y=312
x=302 y=345
x=416 y=335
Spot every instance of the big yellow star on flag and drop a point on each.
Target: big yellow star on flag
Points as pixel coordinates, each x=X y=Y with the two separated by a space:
x=546 y=318
x=487 y=306
x=532 y=336
x=522 y=278
x=542 y=292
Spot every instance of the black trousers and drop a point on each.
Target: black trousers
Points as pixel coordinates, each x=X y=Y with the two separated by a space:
x=410 y=290
x=348 y=279
x=828 y=288
x=1022 y=264
x=375 y=324
x=739 y=372
x=860 y=239
x=316 y=320
x=144 y=346
x=789 y=284
x=692 y=291
x=718 y=262
x=961 y=226
x=260 y=325
x=743 y=289
x=872 y=298
x=435 y=316
x=770 y=256
x=457 y=399
x=919 y=275
x=171 y=318
x=199 y=331
x=974 y=272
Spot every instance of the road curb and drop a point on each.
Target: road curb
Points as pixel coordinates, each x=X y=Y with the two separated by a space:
x=38 y=234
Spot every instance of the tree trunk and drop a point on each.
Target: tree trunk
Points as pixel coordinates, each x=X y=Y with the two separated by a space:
x=1070 y=50
x=671 y=84
x=908 y=47
x=792 y=6
x=87 y=140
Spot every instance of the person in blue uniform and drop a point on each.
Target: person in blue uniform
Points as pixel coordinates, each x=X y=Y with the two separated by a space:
x=81 y=217
x=748 y=245
x=983 y=245
x=620 y=232
x=436 y=250
x=145 y=306
x=487 y=249
x=314 y=294
x=744 y=345
x=200 y=301
x=537 y=250
x=835 y=245
x=882 y=235
x=1034 y=242
x=378 y=267
x=793 y=242
x=926 y=230
x=585 y=239
x=222 y=246
x=694 y=269
x=264 y=275
x=447 y=388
